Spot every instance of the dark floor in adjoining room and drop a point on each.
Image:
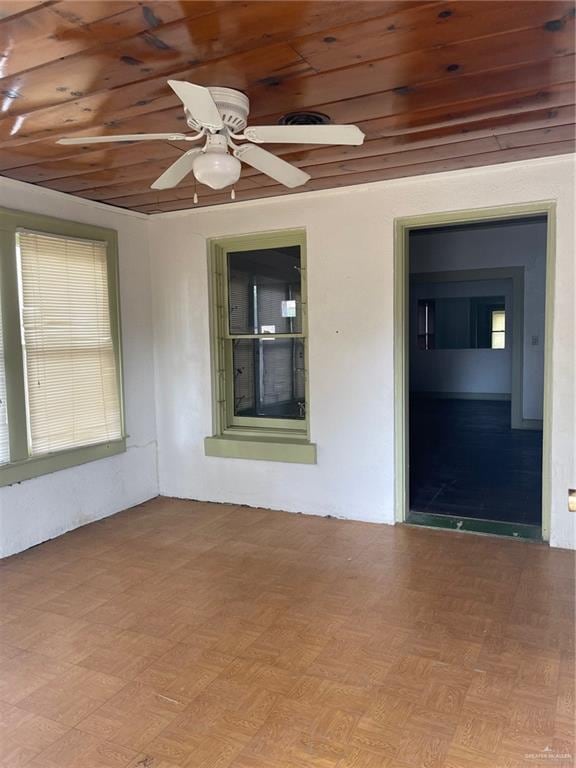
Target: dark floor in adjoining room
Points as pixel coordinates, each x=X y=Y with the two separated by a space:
x=466 y=461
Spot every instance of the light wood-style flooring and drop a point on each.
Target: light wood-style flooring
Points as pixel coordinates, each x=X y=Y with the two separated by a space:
x=182 y=634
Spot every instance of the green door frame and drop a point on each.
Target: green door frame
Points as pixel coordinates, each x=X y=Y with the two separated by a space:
x=402 y=229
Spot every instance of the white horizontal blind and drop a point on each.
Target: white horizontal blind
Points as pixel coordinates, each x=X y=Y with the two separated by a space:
x=4 y=444
x=71 y=377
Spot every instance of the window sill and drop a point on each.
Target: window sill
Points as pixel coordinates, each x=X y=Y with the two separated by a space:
x=288 y=450
x=35 y=466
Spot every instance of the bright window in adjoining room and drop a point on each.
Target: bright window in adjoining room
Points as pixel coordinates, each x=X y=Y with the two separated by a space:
x=498 y=332
x=60 y=356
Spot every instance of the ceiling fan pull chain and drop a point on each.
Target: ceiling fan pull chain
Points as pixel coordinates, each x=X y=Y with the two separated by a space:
x=233 y=194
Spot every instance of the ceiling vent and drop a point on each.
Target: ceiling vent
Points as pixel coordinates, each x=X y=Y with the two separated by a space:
x=305 y=118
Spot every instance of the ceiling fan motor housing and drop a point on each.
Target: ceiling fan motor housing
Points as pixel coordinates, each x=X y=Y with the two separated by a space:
x=233 y=107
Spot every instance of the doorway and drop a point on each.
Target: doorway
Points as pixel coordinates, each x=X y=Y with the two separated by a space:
x=472 y=334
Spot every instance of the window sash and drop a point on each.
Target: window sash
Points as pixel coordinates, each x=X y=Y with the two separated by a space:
x=68 y=349
x=225 y=422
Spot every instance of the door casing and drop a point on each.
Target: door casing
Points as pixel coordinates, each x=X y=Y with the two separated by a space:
x=402 y=228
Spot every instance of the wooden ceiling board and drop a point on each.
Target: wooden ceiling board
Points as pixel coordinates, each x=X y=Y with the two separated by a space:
x=122 y=156
x=405 y=157
x=12 y=8
x=62 y=29
x=460 y=163
x=434 y=85
x=427 y=149
x=106 y=70
x=428 y=94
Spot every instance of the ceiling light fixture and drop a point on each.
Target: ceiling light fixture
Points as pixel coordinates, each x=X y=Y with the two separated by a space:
x=214 y=166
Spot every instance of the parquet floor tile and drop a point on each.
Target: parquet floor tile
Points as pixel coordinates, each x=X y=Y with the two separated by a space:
x=77 y=749
x=72 y=696
x=191 y=635
x=24 y=735
x=126 y=654
x=134 y=716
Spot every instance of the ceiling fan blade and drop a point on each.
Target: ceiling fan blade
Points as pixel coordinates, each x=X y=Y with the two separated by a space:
x=174 y=174
x=199 y=102
x=126 y=137
x=272 y=166
x=305 y=134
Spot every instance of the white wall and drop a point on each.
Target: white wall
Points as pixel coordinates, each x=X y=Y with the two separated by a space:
x=39 y=509
x=517 y=244
x=350 y=278
x=463 y=371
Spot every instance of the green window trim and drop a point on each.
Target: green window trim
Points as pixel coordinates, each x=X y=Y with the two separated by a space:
x=285 y=450
x=22 y=465
x=240 y=436
x=17 y=471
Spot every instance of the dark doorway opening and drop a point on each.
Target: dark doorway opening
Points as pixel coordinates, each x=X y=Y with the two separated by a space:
x=476 y=373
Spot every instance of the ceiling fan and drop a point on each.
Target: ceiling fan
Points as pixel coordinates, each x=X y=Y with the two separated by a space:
x=219 y=116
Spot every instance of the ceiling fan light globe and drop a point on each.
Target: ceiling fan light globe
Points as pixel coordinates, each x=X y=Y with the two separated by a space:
x=216 y=170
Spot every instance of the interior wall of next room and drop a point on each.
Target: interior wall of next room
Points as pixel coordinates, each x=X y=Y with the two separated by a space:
x=520 y=243
x=461 y=372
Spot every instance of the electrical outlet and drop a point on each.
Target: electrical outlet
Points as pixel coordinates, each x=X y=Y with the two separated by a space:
x=572 y=499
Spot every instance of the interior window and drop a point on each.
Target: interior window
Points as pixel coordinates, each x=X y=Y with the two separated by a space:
x=476 y=322
x=264 y=311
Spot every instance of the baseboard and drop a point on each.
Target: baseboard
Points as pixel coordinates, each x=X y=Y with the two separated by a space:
x=536 y=424
x=464 y=395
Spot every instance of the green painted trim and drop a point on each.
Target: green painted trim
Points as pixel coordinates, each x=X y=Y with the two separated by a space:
x=472 y=215
x=548 y=373
x=35 y=466
x=463 y=395
x=113 y=274
x=23 y=466
x=225 y=424
x=13 y=359
x=283 y=425
x=401 y=411
x=261 y=449
x=402 y=227
x=472 y=525
x=12 y=220
x=248 y=336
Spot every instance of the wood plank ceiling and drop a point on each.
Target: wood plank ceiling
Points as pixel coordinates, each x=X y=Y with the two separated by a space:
x=434 y=85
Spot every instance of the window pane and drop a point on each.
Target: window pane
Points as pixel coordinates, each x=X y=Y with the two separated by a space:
x=4 y=444
x=264 y=291
x=269 y=378
x=498 y=340
x=70 y=366
x=498 y=320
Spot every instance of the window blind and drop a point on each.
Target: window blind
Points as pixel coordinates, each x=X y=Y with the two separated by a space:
x=4 y=443
x=70 y=365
